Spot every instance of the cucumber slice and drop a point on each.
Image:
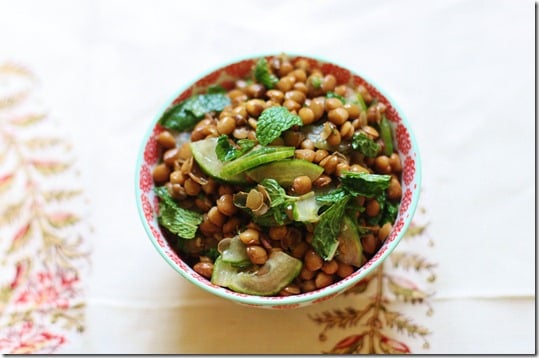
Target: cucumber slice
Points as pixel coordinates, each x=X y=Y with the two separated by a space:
x=223 y=272
x=272 y=277
x=256 y=157
x=306 y=209
x=350 y=250
x=204 y=154
x=285 y=171
x=269 y=279
x=234 y=252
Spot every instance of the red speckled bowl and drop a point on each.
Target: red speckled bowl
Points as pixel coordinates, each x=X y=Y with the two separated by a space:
x=225 y=76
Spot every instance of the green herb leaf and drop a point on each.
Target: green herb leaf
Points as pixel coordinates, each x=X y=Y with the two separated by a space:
x=362 y=142
x=273 y=121
x=369 y=185
x=325 y=234
x=335 y=95
x=225 y=151
x=332 y=196
x=275 y=192
x=174 y=218
x=388 y=211
x=186 y=114
x=263 y=74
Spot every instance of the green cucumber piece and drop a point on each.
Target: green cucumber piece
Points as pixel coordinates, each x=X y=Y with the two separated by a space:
x=205 y=156
x=223 y=272
x=387 y=137
x=306 y=209
x=257 y=156
x=350 y=250
x=235 y=253
x=285 y=171
x=279 y=270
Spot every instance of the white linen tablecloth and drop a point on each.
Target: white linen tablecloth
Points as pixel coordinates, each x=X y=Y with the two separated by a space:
x=461 y=71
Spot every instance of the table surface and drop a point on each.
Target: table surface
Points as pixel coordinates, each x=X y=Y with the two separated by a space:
x=96 y=73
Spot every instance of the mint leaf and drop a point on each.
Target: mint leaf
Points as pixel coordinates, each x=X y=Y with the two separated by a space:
x=186 y=114
x=263 y=74
x=325 y=233
x=388 y=211
x=276 y=193
x=367 y=146
x=369 y=185
x=335 y=95
x=332 y=196
x=174 y=218
x=226 y=151
x=273 y=121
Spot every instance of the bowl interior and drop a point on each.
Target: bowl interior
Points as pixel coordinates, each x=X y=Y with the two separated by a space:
x=225 y=76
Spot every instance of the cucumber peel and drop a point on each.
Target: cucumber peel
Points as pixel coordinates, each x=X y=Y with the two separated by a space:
x=206 y=158
x=279 y=270
x=285 y=171
x=350 y=250
x=257 y=156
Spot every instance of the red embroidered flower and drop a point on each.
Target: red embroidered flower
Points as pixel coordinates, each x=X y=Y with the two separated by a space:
x=49 y=289
x=27 y=338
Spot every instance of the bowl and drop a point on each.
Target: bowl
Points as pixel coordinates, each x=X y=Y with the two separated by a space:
x=226 y=75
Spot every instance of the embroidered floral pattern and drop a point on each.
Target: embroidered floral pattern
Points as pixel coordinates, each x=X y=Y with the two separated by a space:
x=42 y=249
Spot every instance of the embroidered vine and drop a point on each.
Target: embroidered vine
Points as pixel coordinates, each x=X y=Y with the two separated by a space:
x=41 y=228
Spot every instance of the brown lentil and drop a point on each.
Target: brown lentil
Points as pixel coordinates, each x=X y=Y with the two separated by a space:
x=204 y=269
x=257 y=254
x=250 y=237
x=301 y=185
x=161 y=173
x=312 y=260
x=166 y=140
